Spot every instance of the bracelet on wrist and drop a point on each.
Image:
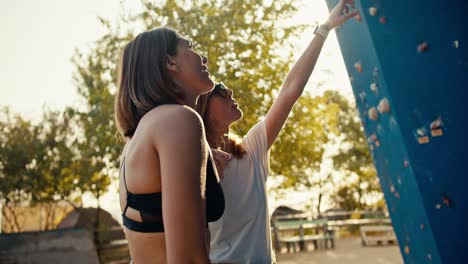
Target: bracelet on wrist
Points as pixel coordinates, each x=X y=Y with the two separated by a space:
x=322 y=30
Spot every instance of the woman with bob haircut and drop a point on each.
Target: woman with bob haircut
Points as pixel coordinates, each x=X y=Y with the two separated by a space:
x=164 y=169
x=242 y=235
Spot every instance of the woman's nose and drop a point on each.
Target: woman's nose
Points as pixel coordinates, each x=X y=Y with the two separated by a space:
x=230 y=92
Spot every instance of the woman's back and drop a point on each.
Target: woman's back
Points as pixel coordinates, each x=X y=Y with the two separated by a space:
x=143 y=157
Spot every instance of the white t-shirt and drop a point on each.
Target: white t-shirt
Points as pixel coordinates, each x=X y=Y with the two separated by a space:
x=242 y=234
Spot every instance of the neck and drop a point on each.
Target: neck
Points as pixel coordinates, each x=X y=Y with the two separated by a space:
x=218 y=139
x=191 y=102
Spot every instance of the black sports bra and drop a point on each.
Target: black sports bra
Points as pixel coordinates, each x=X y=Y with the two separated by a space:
x=150 y=205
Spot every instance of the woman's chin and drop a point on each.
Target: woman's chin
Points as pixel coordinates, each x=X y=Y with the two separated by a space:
x=209 y=85
x=240 y=114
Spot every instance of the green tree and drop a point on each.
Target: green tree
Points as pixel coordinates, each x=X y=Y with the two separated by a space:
x=56 y=162
x=38 y=165
x=240 y=38
x=17 y=153
x=325 y=130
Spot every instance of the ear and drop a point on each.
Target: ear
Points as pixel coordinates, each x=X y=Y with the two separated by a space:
x=171 y=64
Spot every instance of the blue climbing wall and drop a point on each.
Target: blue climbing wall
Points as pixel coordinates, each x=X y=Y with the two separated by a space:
x=408 y=66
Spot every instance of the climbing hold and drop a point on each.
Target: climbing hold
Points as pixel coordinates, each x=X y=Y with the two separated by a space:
x=392 y=188
x=362 y=95
x=406 y=163
x=438 y=206
x=423 y=140
x=436 y=127
x=374 y=137
x=377 y=143
x=421 y=136
x=423 y=47
x=456 y=44
x=373 y=114
x=383 y=20
x=358 y=66
x=373 y=11
x=397 y=195
x=373 y=87
x=421 y=226
x=429 y=256
x=407 y=250
x=421 y=132
x=399 y=180
x=447 y=201
x=384 y=106
x=436 y=123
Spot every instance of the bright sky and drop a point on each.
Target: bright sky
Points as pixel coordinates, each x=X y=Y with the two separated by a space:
x=39 y=39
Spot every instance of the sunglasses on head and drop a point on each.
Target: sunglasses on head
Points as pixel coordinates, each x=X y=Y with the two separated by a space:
x=220 y=90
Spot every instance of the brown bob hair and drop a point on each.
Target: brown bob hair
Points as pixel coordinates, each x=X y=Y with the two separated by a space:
x=143 y=80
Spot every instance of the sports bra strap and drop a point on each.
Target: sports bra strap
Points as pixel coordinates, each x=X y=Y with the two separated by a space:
x=122 y=167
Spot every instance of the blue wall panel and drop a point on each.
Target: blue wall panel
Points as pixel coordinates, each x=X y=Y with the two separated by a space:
x=419 y=146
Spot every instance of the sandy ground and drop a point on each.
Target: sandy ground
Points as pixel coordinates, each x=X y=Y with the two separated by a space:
x=347 y=250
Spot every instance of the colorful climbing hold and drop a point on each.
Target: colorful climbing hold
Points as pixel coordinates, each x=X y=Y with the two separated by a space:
x=373 y=114
x=362 y=95
x=383 y=20
x=423 y=47
x=373 y=87
x=421 y=136
x=384 y=106
x=436 y=127
x=423 y=140
x=447 y=201
x=407 y=250
x=358 y=66
x=373 y=11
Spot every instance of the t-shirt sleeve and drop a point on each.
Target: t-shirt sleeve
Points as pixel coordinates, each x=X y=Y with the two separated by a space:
x=256 y=145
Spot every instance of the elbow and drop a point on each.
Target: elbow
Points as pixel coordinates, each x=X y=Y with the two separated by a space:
x=294 y=88
x=291 y=93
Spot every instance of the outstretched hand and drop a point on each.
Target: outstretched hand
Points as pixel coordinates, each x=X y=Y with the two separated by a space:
x=340 y=13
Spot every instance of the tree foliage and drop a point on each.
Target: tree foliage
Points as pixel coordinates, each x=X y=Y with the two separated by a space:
x=38 y=164
x=321 y=141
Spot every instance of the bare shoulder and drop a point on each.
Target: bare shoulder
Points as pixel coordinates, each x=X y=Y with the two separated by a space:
x=167 y=118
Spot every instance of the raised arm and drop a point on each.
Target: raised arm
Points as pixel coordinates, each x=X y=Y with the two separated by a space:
x=297 y=78
x=180 y=143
